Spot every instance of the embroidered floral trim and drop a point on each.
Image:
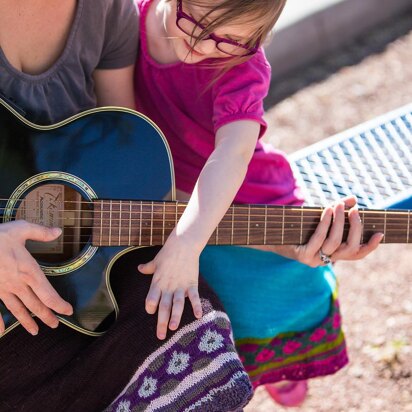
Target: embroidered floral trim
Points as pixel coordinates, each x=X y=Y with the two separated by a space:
x=302 y=355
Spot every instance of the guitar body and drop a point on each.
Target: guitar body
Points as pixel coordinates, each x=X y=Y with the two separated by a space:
x=105 y=153
x=75 y=175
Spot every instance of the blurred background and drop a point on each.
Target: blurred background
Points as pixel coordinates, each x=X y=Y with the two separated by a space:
x=336 y=64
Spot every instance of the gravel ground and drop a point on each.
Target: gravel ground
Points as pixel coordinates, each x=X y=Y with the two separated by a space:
x=365 y=79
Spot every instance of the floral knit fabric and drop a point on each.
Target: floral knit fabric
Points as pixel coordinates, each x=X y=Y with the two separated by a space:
x=197 y=369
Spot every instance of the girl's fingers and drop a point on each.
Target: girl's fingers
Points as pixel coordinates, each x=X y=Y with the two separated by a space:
x=177 y=310
x=165 y=307
x=2 y=325
x=152 y=299
x=20 y=312
x=35 y=306
x=193 y=294
x=147 y=268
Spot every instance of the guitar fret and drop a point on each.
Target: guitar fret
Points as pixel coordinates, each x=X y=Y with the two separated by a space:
x=363 y=224
x=120 y=222
x=266 y=218
x=384 y=227
x=233 y=224
x=140 y=224
x=283 y=225
x=151 y=227
x=407 y=229
x=301 y=225
x=130 y=223
x=101 y=223
x=176 y=214
x=164 y=223
x=110 y=224
x=248 y=225
x=231 y=228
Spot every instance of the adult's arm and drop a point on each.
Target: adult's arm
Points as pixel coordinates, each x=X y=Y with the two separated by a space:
x=114 y=87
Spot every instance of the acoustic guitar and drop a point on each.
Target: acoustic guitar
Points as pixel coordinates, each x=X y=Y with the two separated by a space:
x=106 y=178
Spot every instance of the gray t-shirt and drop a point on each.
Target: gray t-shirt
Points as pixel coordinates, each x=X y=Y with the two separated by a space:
x=104 y=35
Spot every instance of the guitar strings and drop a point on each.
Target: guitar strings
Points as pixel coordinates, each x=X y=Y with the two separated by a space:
x=147 y=218
x=270 y=213
x=115 y=237
x=253 y=225
x=146 y=215
x=222 y=230
x=174 y=204
x=158 y=240
x=302 y=214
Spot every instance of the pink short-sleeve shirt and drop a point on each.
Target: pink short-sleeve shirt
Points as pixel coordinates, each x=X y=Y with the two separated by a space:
x=190 y=105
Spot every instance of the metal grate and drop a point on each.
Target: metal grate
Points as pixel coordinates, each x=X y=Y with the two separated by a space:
x=372 y=161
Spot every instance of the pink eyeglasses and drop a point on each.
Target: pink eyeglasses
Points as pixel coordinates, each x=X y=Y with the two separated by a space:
x=191 y=27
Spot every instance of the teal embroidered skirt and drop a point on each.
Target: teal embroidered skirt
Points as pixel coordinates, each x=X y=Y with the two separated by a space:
x=285 y=315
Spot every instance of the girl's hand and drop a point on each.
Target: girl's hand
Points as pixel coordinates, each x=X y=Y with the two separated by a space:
x=24 y=287
x=327 y=241
x=175 y=272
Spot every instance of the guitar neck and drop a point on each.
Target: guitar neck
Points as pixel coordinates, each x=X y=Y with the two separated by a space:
x=147 y=223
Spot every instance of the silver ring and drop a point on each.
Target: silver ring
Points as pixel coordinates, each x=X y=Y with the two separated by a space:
x=326 y=259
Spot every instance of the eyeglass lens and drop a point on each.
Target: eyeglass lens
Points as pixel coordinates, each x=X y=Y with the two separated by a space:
x=194 y=30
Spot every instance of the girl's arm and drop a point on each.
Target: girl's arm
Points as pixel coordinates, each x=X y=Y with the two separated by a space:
x=114 y=87
x=176 y=266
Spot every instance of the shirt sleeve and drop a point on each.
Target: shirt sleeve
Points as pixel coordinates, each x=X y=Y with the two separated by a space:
x=121 y=35
x=239 y=93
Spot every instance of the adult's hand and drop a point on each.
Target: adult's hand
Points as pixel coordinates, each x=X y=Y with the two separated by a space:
x=327 y=244
x=24 y=288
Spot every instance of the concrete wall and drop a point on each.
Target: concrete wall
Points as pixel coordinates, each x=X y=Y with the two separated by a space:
x=308 y=29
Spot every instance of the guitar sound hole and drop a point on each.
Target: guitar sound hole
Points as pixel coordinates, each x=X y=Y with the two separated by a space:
x=57 y=205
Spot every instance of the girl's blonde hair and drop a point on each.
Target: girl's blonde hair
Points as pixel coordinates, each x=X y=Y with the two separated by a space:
x=245 y=12
x=241 y=11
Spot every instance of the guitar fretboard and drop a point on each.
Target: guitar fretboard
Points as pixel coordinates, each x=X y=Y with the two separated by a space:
x=146 y=223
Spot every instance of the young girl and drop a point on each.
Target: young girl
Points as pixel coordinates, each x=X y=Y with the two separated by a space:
x=56 y=60
x=201 y=75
